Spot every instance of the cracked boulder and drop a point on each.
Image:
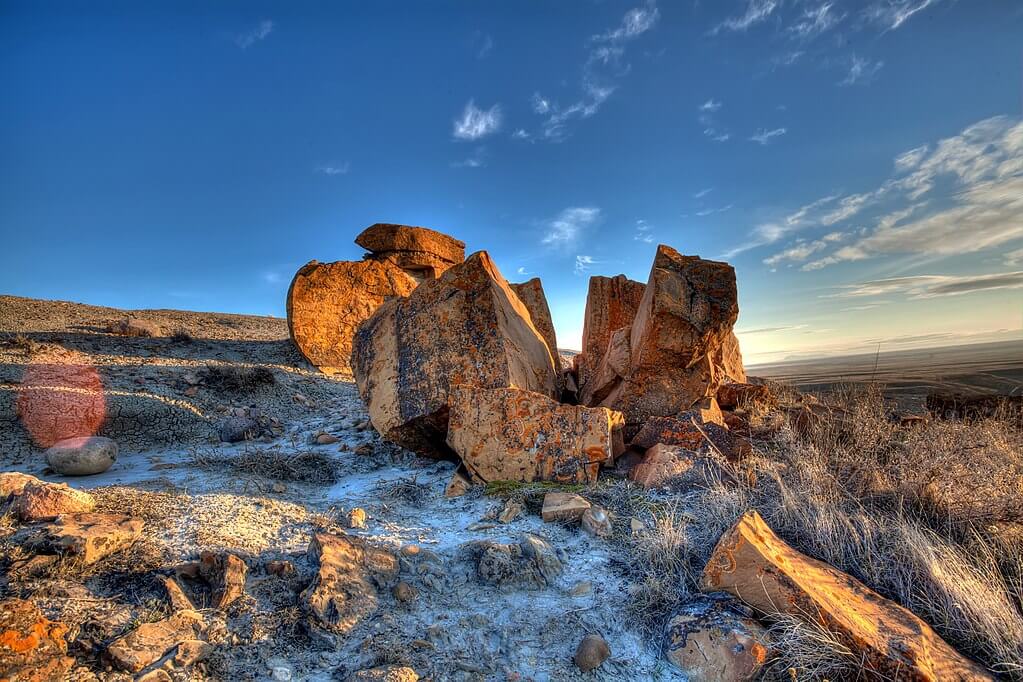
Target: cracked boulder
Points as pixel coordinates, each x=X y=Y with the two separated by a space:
x=532 y=562
x=89 y=536
x=715 y=638
x=611 y=304
x=328 y=301
x=753 y=564
x=506 y=434
x=466 y=328
x=349 y=575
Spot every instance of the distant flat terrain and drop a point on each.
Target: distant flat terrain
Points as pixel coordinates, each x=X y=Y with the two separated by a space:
x=976 y=368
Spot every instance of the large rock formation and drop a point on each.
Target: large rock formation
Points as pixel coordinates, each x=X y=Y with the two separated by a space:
x=466 y=328
x=506 y=434
x=755 y=565
x=611 y=303
x=423 y=253
x=684 y=319
x=532 y=296
x=328 y=301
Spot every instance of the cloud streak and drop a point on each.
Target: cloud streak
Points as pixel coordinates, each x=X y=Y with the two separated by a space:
x=931 y=286
x=475 y=123
x=250 y=38
x=565 y=229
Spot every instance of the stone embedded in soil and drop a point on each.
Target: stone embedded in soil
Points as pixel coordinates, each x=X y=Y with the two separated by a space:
x=458 y=485
x=225 y=574
x=611 y=303
x=349 y=572
x=328 y=301
x=237 y=428
x=756 y=566
x=385 y=673
x=591 y=653
x=89 y=536
x=715 y=638
x=82 y=456
x=532 y=562
x=506 y=434
x=466 y=328
x=42 y=501
x=596 y=522
x=32 y=648
x=356 y=518
x=565 y=507
x=150 y=642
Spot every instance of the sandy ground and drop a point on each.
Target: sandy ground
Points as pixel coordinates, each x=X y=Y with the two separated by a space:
x=194 y=497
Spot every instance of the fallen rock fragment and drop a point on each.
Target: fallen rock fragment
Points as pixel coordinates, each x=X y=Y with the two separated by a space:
x=684 y=431
x=465 y=328
x=596 y=522
x=82 y=456
x=506 y=434
x=179 y=601
x=715 y=638
x=42 y=501
x=150 y=642
x=532 y=562
x=225 y=574
x=732 y=395
x=32 y=648
x=356 y=518
x=510 y=512
x=591 y=653
x=756 y=566
x=328 y=301
x=385 y=673
x=564 y=507
x=349 y=572
x=458 y=485
x=89 y=536
x=682 y=468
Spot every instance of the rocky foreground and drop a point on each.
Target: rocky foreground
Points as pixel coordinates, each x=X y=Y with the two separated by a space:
x=185 y=497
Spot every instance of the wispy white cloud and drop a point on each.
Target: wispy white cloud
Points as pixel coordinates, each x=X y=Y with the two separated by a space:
x=707 y=119
x=482 y=44
x=710 y=105
x=860 y=70
x=757 y=11
x=522 y=271
x=475 y=123
x=565 y=229
x=764 y=136
x=250 y=38
x=802 y=249
x=584 y=263
x=816 y=20
x=931 y=286
x=891 y=14
x=1014 y=257
x=711 y=211
x=703 y=192
x=475 y=160
x=642 y=234
x=334 y=168
x=636 y=21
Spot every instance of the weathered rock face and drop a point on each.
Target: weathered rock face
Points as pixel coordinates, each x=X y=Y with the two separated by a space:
x=533 y=297
x=89 y=536
x=150 y=642
x=465 y=328
x=43 y=501
x=420 y=251
x=32 y=648
x=328 y=301
x=82 y=456
x=733 y=395
x=714 y=638
x=755 y=565
x=728 y=360
x=225 y=574
x=532 y=562
x=506 y=434
x=686 y=315
x=349 y=572
x=611 y=303
x=613 y=368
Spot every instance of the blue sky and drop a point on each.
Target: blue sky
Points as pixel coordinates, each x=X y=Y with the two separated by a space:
x=860 y=163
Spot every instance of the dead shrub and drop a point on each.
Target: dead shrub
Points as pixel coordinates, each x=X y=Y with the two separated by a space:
x=274 y=463
x=234 y=379
x=182 y=336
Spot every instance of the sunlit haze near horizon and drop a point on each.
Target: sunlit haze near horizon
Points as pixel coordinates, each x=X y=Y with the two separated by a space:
x=859 y=163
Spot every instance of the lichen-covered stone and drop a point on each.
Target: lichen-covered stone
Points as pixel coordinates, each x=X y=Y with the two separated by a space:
x=32 y=648
x=759 y=568
x=505 y=434
x=611 y=303
x=466 y=328
x=714 y=638
x=328 y=301
x=89 y=536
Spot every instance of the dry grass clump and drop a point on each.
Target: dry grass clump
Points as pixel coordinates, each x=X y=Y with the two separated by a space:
x=237 y=379
x=274 y=463
x=181 y=336
x=928 y=516
x=20 y=342
x=407 y=490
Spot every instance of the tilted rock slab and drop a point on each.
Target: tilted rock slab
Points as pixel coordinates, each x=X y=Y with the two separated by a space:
x=150 y=642
x=755 y=565
x=349 y=572
x=611 y=303
x=687 y=312
x=89 y=536
x=533 y=297
x=466 y=328
x=328 y=301
x=420 y=251
x=506 y=434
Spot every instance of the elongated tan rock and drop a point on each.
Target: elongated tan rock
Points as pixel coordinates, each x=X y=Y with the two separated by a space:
x=149 y=642
x=611 y=303
x=533 y=297
x=755 y=565
x=465 y=328
x=386 y=237
x=328 y=301
x=506 y=434
x=90 y=536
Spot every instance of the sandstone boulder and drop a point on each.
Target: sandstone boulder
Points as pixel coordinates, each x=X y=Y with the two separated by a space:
x=328 y=301
x=42 y=501
x=32 y=648
x=533 y=297
x=150 y=642
x=89 y=536
x=756 y=566
x=611 y=303
x=383 y=239
x=506 y=434
x=687 y=312
x=82 y=456
x=348 y=574
x=13 y=482
x=714 y=638
x=465 y=328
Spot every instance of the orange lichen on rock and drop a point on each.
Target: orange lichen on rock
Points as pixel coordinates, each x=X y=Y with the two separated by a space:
x=32 y=648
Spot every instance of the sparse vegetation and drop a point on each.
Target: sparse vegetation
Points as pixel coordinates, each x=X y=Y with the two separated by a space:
x=408 y=490
x=20 y=342
x=181 y=336
x=273 y=463
x=237 y=379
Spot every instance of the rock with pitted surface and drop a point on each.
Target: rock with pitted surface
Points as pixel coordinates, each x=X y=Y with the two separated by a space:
x=732 y=395
x=466 y=328
x=714 y=638
x=13 y=482
x=611 y=303
x=506 y=434
x=421 y=252
x=532 y=562
x=89 y=536
x=349 y=573
x=82 y=456
x=728 y=360
x=32 y=648
x=533 y=297
x=685 y=316
x=756 y=566
x=328 y=301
